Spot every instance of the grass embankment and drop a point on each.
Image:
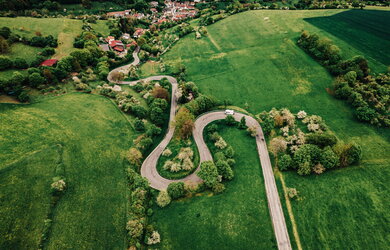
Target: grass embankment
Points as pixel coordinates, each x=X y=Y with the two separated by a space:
x=235 y=219
x=94 y=135
x=252 y=61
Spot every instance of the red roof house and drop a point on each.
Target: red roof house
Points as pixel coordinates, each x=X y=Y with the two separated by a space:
x=117 y=45
x=49 y=62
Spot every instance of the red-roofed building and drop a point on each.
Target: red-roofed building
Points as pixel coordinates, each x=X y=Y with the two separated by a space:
x=117 y=45
x=138 y=32
x=49 y=62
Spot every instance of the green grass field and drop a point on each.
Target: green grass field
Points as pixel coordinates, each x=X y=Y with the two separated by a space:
x=65 y=30
x=95 y=136
x=235 y=219
x=249 y=60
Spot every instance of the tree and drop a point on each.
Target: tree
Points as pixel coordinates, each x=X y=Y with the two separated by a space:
x=176 y=190
x=157 y=116
x=86 y=3
x=4 y=46
x=134 y=156
x=5 y=32
x=242 y=124
x=160 y=92
x=277 y=145
x=230 y=121
x=20 y=63
x=139 y=111
x=285 y=162
x=139 y=125
x=117 y=76
x=321 y=139
x=17 y=79
x=329 y=159
x=163 y=199
x=184 y=123
x=208 y=173
x=365 y=114
x=225 y=170
x=5 y=63
x=35 y=79
x=135 y=228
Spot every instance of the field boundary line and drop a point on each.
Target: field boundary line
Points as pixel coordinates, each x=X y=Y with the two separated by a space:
x=212 y=40
x=290 y=212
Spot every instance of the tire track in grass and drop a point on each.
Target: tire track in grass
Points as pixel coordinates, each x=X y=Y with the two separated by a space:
x=290 y=212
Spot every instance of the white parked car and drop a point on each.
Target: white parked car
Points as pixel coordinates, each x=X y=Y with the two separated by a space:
x=229 y=112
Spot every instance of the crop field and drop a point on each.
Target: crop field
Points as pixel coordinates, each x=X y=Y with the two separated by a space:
x=368 y=31
x=94 y=135
x=236 y=219
x=255 y=62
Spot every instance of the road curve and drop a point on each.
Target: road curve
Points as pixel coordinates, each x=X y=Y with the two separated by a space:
x=149 y=166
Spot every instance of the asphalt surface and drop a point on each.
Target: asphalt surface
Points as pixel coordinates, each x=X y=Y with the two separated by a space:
x=149 y=166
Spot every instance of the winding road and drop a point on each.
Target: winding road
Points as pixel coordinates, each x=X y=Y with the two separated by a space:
x=149 y=166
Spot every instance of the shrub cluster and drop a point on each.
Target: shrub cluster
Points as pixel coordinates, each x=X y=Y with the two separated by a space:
x=313 y=151
x=368 y=94
x=138 y=211
x=182 y=161
x=213 y=173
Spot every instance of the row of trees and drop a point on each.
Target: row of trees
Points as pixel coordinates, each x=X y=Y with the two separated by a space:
x=368 y=94
x=139 y=231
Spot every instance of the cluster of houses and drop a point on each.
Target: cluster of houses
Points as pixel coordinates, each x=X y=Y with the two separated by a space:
x=111 y=44
x=173 y=11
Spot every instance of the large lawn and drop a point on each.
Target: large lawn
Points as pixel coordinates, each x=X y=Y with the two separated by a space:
x=252 y=61
x=236 y=219
x=94 y=135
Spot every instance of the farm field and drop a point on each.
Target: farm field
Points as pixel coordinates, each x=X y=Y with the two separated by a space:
x=94 y=135
x=256 y=63
x=236 y=219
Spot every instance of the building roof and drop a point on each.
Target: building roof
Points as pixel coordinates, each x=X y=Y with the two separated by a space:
x=49 y=62
x=118 y=48
x=114 y=43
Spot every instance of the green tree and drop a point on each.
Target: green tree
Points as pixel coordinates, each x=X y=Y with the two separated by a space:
x=4 y=46
x=242 y=124
x=5 y=63
x=208 y=173
x=20 y=63
x=139 y=125
x=329 y=159
x=176 y=190
x=285 y=162
x=225 y=170
x=184 y=123
x=35 y=79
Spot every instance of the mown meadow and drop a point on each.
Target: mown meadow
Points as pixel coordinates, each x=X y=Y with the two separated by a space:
x=252 y=60
x=94 y=135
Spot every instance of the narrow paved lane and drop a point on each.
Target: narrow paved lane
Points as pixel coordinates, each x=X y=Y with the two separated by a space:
x=149 y=166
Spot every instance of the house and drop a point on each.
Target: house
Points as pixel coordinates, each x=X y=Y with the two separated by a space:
x=109 y=39
x=153 y=10
x=104 y=47
x=138 y=33
x=49 y=62
x=154 y=4
x=119 y=13
x=126 y=36
x=117 y=45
